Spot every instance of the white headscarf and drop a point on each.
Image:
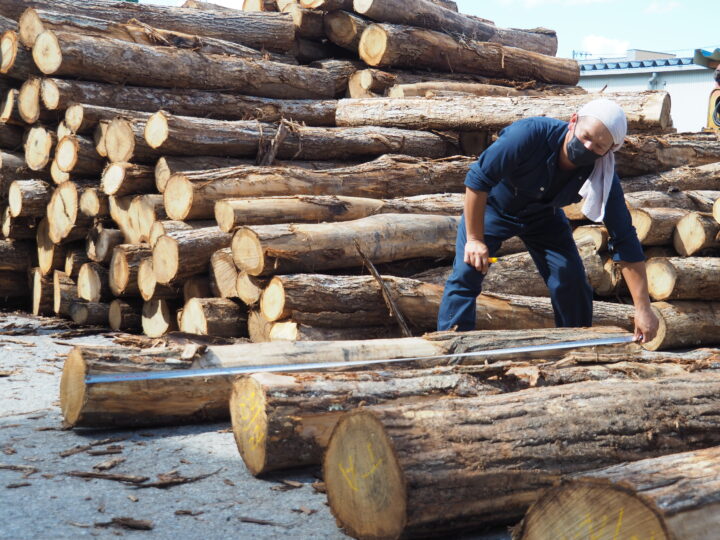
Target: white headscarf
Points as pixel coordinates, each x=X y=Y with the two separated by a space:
x=596 y=189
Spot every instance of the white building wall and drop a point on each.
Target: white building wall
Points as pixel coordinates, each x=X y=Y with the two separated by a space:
x=689 y=91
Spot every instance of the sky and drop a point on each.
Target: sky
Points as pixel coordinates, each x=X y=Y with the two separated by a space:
x=602 y=28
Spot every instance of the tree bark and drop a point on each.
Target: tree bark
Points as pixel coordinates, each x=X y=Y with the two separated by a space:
x=101 y=242
x=684 y=278
x=13 y=166
x=327 y=5
x=29 y=198
x=124 y=316
x=672 y=496
x=695 y=232
x=89 y=313
x=703 y=177
x=649 y=154
x=272 y=31
x=373 y=464
x=182 y=254
x=16 y=256
x=341 y=70
x=443 y=87
x=77 y=155
x=15 y=285
x=404 y=46
x=64 y=293
x=163 y=228
x=686 y=324
x=224 y=273
x=22 y=228
x=43 y=293
x=63 y=54
x=278 y=249
x=11 y=138
x=124 y=265
x=176 y=135
x=700 y=201
x=427 y=14
x=344 y=29
x=214 y=317
x=656 y=226
x=92 y=282
x=644 y=111
x=158 y=318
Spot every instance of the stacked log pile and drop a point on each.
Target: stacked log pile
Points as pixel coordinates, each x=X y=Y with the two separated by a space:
x=234 y=173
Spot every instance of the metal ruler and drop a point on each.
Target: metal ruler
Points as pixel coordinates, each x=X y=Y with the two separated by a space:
x=315 y=366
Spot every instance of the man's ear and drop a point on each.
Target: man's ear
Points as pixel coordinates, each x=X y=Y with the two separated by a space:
x=573 y=121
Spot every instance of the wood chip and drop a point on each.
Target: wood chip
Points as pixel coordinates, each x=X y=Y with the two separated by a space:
x=9 y=450
x=287 y=485
x=128 y=523
x=9 y=373
x=18 y=485
x=108 y=464
x=319 y=487
x=228 y=482
x=173 y=478
x=133 y=498
x=187 y=513
x=25 y=469
x=260 y=522
x=304 y=510
x=85 y=447
x=125 y=478
x=110 y=450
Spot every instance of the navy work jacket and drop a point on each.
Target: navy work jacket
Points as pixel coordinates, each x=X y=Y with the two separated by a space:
x=521 y=166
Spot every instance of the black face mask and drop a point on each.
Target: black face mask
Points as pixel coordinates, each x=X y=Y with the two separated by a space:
x=579 y=154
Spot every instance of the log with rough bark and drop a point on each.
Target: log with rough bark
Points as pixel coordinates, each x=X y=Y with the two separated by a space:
x=233 y=213
x=267 y=249
x=341 y=70
x=120 y=214
x=92 y=283
x=144 y=211
x=403 y=46
x=182 y=254
x=695 y=232
x=653 y=154
x=43 y=293
x=427 y=14
x=100 y=243
x=684 y=278
x=176 y=135
x=17 y=61
x=666 y=497
x=124 y=265
x=74 y=259
x=28 y=103
x=16 y=256
x=386 y=177
x=596 y=235
x=28 y=198
x=15 y=285
x=344 y=29
x=258 y=30
x=124 y=316
x=263 y=5
x=214 y=317
x=62 y=54
x=644 y=111
x=655 y=226
x=39 y=144
x=162 y=228
x=150 y=289
x=158 y=318
x=11 y=138
x=374 y=465
x=686 y=324
x=700 y=200
x=64 y=293
x=199 y=286
x=13 y=166
x=703 y=177
x=35 y=21
x=224 y=273
x=274 y=432
x=123 y=140
x=93 y=203
x=442 y=88
x=89 y=313
x=295 y=331
x=308 y=23
x=21 y=228
x=65 y=220
x=327 y=5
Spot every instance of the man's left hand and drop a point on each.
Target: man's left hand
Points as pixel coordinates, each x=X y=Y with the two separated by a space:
x=646 y=324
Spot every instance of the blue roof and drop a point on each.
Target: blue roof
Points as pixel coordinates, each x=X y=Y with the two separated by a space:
x=630 y=64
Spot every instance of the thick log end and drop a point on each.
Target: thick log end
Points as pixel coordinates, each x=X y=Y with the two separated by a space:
x=156 y=130
x=47 y=52
x=272 y=301
x=119 y=141
x=50 y=94
x=66 y=154
x=38 y=148
x=662 y=277
x=157 y=318
x=178 y=197
x=9 y=43
x=247 y=252
x=365 y=484
x=165 y=259
x=249 y=423
x=373 y=45
x=30 y=26
x=72 y=387
x=29 y=100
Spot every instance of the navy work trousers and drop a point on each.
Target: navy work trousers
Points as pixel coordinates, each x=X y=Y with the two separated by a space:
x=549 y=240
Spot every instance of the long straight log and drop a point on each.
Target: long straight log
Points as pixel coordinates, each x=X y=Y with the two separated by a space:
x=182 y=254
x=673 y=496
x=427 y=14
x=295 y=331
x=266 y=249
x=344 y=29
x=405 y=46
x=703 y=177
x=684 y=278
x=258 y=30
x=695 y=232
x=62 y=54
x=444 y=88
x=90 y=313
x=644 y=111
x=165 y=227
x=175 y=135
x=700 y=200
x=656 y=226
x=481 y=460
x=641 y=155
x=686 y=324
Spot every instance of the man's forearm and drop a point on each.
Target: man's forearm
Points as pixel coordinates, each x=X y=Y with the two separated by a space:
x=475 y=202
x=636 y=278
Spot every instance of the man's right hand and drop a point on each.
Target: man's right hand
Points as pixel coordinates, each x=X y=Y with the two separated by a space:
x=477 y=255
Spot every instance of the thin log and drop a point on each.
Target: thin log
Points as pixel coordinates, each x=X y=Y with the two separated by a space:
x=64 y=293
x=124 y=316
x=182 y=254
x=224 y=273
x=684 y=278
x=90 y=313
x=341 y=71
x=42 y=293
x=214 y=317
x=124 y=266
x=443 y=87
x=158 y=318
x=93 y=284
x=295 y=331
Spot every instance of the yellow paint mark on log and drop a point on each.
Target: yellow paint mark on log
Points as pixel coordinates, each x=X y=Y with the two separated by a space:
x=351 y=475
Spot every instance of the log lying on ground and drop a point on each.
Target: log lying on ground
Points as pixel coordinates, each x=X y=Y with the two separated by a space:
x=16 y=256
x=182 y=254
x=214 y=317
x=703 y=177
x=266 y=249
x=372 y=465
x=43 y=293
x=92 y=282
x=90 y=313
x=344 y=29
x=686 y=324
x=28 y=198
x=224 y=273
x=672 y=496
x=158 y=318
x=695 y=232
x=124 y=266
x=644 y=111
x=386 y=177
x=124 y=316
x=174 y=135
x=684 y=278
x=656 y=226
x=426 y=14
x=64 y=293
x=62 y=54
x=653 y=154
x=404 y=46
x=259 y=30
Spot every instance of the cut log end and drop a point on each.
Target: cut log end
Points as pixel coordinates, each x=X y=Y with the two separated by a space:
x=225 y=216
x=123 y=316
x=157 y=318
x=119 y=272
x=156 y=130
x=8 y=106
x=57 y=175
x=166 y=259
x=29 y=100
x=642 y=222
x=662 y=277
x=247 y=252
x=249 y=423
x=564 y=512
x=38 y=148
x=365 y=484
x=90 y=284
x=272 y=302
x=74 y=115
x=113 y=177
x=47 y=52
x=119 y=141
x=72 y=387
x=50 y=94
x=9 y=44
x=373 y=45
x=178 y=197
x=66 y=154
x=248 y=289
x=30 y=26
